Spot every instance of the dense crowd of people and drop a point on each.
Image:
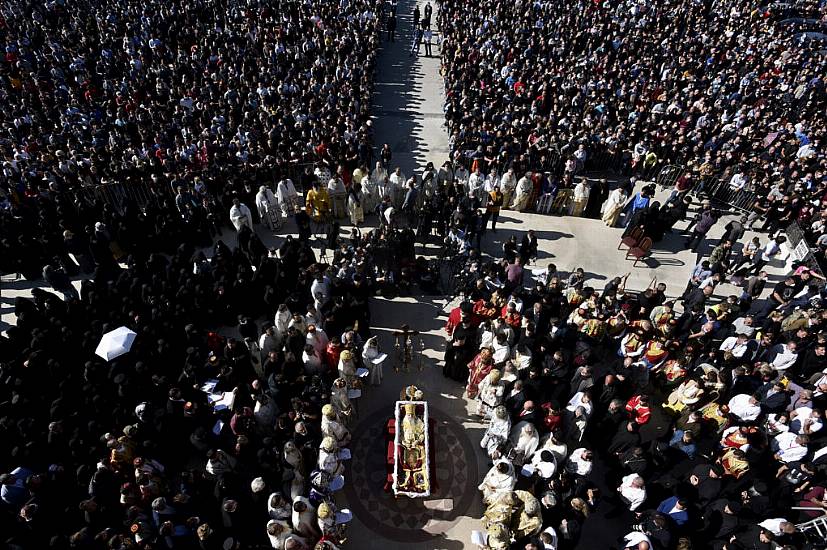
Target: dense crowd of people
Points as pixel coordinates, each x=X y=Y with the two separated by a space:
x=232 y=115
x=702 y=418
x=723 y=89
x=191 y=439
x=204 y=96
x=695 y=423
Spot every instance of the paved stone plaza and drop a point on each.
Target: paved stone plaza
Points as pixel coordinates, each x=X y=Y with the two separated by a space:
x=408 y=109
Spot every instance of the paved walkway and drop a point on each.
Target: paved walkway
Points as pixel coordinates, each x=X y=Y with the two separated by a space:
x=408 y=98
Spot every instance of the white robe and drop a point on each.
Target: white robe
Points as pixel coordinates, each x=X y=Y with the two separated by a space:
x=524 y=445
x=336 y=430
x=267 y=206
x=240 y=215
x=396 y=188
x=318 y=340
x=490 y=395
x=281 y=322
x=495 y=483
x=508 y=183
x=355 y=207
x=379 y=174
x=277 y=542
x=370 y=194
x=305 y=522
x=282 y=512
x=338 y=196
x=287 y=196
x=497 y=433
x=475 y=183
x=330 y=463
x=341 y=403
x=369 y=353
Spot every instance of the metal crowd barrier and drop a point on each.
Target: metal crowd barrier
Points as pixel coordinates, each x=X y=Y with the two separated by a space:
x=668 y=175
x=604 y=160
x=719 y=189
x=118 y=195
x=715 y=187
x=801 y=250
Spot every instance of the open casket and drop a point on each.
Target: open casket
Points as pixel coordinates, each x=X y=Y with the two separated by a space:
x=412 y=450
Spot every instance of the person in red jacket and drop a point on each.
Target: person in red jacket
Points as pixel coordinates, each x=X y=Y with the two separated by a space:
x=638 y=408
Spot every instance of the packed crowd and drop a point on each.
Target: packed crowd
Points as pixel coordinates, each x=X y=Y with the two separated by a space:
x=224 y=113
x=191 y=439
x=720 y=88
x=693 y=422
x=161 y=96
x=569 y=377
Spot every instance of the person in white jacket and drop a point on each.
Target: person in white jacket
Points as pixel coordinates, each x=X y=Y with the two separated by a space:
x=267 y=207
x=633 y=491
x=240 y=215
x=396 y=187
x=789 y=447
x=745 y=407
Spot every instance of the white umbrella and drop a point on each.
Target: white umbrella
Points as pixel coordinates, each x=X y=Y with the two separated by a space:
x=115 y=343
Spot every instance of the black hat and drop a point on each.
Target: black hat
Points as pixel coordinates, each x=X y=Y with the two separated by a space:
x=734 y=506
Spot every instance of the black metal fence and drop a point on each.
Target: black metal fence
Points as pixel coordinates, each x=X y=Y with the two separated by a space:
x=118 y=195
x=668 y=175
x=801 y=250
x=716 y=187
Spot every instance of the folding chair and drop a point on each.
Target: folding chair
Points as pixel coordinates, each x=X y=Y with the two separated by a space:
x=640 y=251
x=632 y=238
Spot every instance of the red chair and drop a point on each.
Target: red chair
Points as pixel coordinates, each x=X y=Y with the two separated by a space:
x=632 y=238
x=640 y=251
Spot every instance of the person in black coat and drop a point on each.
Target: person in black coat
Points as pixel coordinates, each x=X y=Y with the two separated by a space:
x=528 y=247
x=720 y=520
x=530 y=414
x=773 y=397
x=460 y=351
x=625 y=439
x=705 y=482
x=515 y=399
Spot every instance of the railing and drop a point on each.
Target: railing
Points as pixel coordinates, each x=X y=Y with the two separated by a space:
x=719 y=189
x=604 y=160
x=814 y=529
x=715 y=187
x=801 y=251
x=668 y=175
x=119 y=195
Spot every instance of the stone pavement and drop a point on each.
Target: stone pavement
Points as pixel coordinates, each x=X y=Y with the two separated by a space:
x=409 y=97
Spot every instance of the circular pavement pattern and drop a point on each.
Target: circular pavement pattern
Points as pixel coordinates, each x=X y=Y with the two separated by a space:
x=402 y=519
